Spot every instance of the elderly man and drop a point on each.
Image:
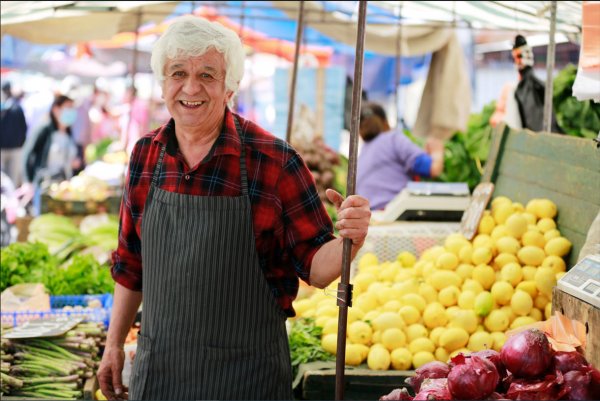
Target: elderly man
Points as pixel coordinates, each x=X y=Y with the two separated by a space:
x=219 y=220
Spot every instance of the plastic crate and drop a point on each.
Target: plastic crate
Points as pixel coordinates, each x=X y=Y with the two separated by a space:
x=58 y=302
x=387 y=241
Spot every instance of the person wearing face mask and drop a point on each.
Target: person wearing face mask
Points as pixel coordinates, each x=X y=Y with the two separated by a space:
x=51 y=153
x=13 y=131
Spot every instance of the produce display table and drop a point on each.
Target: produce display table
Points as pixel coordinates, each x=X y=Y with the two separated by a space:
x=316 y=381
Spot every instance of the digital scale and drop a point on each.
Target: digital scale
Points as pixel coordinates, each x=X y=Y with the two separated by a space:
x=583 y=280
x=427 y=201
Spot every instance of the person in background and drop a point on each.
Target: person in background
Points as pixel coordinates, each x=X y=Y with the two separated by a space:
x=388 y=158
x=50 y=154
x=219 y=222
x=13 y=132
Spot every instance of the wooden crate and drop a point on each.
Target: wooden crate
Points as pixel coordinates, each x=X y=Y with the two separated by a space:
x=586 y=313
x=524 y=165
x=361 y=383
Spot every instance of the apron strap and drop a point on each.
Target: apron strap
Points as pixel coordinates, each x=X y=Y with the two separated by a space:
x=243 y=170
x=156 y=172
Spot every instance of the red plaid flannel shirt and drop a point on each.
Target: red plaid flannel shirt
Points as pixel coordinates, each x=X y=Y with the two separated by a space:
x=290 y=221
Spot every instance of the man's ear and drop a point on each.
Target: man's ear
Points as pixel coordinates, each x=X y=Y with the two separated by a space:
x=229 y=95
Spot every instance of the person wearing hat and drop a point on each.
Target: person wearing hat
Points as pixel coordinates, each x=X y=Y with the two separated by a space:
x=388 y=158
x=219 y=221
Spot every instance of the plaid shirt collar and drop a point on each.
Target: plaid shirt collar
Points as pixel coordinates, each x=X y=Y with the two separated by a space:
x=228 y=142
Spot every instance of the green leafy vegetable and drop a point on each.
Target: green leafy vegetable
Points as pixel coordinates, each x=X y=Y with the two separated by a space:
x=23 y=262
x=574 y=117
x=305 y=343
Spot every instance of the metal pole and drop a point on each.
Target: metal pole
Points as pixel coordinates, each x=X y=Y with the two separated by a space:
x=344 y=294
x=398 y=67
x=547 y=126
x=299 y=29
x=134 y=69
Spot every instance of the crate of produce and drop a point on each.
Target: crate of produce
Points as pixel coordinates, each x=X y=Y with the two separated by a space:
x=80 y=207
x=95 y=308
x=388 y=240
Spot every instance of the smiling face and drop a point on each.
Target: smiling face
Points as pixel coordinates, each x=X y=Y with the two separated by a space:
x=194 y=90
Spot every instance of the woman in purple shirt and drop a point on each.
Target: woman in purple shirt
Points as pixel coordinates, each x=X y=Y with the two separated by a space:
x=388 y=158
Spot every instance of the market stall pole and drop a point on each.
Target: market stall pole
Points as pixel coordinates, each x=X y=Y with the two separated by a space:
x=547 y=122
x=299 y=29
x=344 y=292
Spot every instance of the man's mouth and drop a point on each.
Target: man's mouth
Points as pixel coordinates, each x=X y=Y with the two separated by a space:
x=191 y=105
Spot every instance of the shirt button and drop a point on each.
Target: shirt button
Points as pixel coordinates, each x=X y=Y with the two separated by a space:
x=187 y=177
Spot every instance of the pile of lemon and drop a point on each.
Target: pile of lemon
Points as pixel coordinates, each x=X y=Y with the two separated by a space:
x=459 y=297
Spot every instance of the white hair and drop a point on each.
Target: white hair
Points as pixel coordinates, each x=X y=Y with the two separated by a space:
x=194 y=36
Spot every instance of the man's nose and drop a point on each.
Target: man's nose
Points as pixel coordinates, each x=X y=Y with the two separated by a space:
x=193 y=85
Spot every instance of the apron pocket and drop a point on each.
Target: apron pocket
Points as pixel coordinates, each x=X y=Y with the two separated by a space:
x=141 y=367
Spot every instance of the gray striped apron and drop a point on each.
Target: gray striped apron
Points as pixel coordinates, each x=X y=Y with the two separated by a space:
x=211 y=327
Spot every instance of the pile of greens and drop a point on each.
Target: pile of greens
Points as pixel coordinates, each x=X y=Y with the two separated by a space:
x=33 y=263
x=574 y=117
x=305 y=343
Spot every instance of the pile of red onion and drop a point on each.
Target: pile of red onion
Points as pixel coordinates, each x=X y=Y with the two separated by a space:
x=526 y=369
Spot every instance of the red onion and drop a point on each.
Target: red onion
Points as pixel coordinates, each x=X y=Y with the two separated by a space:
x=433 y=389
x=399 y=394
x=567 y=361
x=472 y=378
x=431 y=370
x=548 y=388
x=583 y=384
x=493 y=357
x=527 y=354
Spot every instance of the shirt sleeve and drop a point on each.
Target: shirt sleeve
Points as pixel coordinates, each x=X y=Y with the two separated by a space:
x=406 y=151
x=127 y=259
x=307 y=224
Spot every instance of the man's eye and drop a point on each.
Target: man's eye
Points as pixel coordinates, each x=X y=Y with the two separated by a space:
x=205 y=75
x=178 y=74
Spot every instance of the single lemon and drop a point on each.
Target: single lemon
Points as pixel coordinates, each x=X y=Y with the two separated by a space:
x=449 y=296
x=353 y=355
x=512 y=273
x=444 y=278
x=504 y=258
x=391 y=306
x=409 y=314
x=529 y=273
x=368 y=259
x=522 y=321
x=378 y=358
x=331 y=326
x=465 y=319
x=551 y=234
x=465 y=270
x=387 y=320
x=329 y=343
x=497 y=320
x=555 y=262
x=415 y=331
x=502 y=213
x=454 y=338
x=559 y=246
x=401 y=359
x=480 y=340
x=516 y=225
x=447 y=261
x=485 y=275
x=466 y=299
x=540 y=301
x=545 y=280
x=360 y=332
x=472 y=285
x=484 y=302
x=441 y=354
x=530 y=217
x=482 y=255
x=415 y=300
x=508 y=245
x=499 y=231
x=508 y=311
x=465 y=254
x=536 y=314
x=533 y=238
x=502 y=292
x=529 y=287
x=406 y=258
x=421 y=358
x=363 y=280
x=435 y=315
x=483 y=240
x=521 y=303
x=531 y=255
x=486 y=225
x=546 y=224
x=393 y=338
x=421 y=344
